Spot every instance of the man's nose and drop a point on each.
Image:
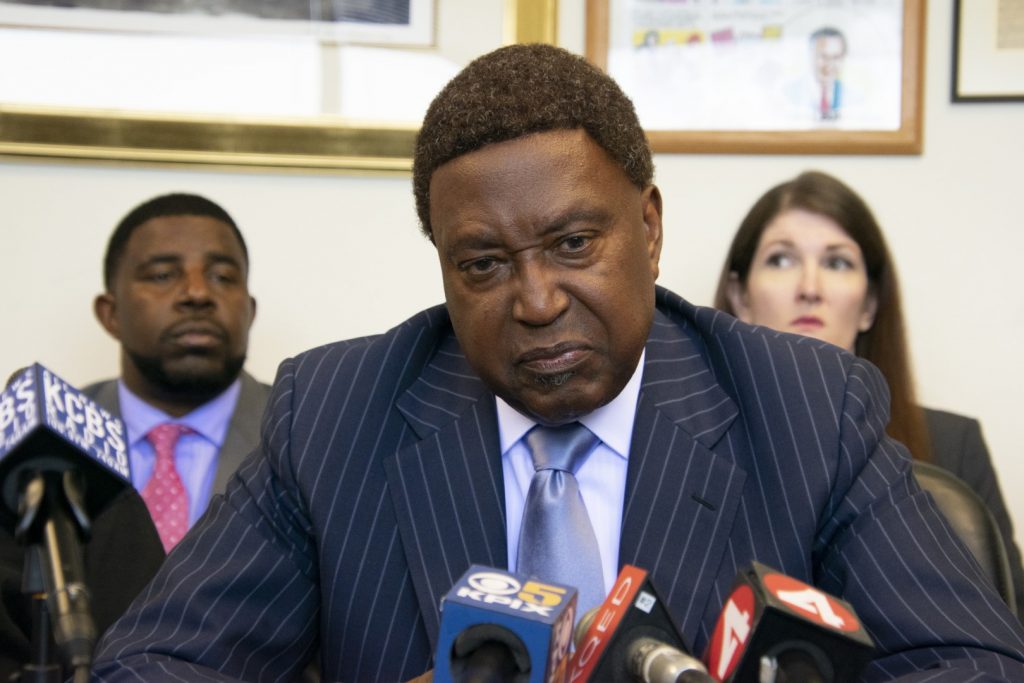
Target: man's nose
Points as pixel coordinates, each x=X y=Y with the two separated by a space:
x=539 y=298
x=195 y=289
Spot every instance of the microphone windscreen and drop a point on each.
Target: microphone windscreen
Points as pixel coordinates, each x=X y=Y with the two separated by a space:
x=503 y=626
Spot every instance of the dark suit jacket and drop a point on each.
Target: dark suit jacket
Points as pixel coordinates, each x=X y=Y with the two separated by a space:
x=379 y=481
x=957 y=445
x=243 y=430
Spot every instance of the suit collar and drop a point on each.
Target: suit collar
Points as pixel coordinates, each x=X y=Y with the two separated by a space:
x=452 y=476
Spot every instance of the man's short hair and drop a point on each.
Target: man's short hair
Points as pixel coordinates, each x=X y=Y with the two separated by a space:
x=523 y=89
x=174 y=204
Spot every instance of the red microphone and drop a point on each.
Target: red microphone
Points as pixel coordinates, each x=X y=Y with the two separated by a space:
x=631 y=637
x=774 y=628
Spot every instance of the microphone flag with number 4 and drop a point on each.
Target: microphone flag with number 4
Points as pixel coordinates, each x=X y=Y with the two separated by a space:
x=774 y=620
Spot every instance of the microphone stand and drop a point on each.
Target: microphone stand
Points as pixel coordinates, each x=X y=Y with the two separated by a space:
x=43 y=665
x=53 y=576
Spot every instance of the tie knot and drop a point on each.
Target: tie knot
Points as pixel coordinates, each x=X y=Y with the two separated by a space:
x=560 y=448
x=164 y=437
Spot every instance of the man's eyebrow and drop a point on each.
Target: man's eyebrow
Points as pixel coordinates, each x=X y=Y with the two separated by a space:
x=155 y=259
x=564 y=220
x=221 y=257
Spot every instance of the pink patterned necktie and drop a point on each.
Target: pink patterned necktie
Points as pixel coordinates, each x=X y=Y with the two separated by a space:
x=164 y=493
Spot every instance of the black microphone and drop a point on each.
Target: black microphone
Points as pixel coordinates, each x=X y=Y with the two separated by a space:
x=631 y=637
x=776 y=629
x=62 y=459
x=500 y=627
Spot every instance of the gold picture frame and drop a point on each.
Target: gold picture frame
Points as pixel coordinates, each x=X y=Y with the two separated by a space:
x=89 y=134
x=906 y=139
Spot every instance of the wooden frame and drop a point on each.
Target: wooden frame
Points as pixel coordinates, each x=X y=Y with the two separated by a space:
x=164 y=138
x=981 y=71
x=907 y=139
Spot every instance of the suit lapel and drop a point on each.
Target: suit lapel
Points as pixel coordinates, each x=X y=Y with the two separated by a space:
x=680 y=496
x=447 y=486
x=105 y=394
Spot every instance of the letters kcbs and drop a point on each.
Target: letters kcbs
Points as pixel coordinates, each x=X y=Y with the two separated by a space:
x=67 y=411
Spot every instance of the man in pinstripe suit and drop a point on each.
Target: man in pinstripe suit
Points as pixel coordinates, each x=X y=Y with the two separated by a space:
x=391 y=463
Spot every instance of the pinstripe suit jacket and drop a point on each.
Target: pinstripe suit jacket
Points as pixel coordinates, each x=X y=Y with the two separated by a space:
x=378 y=481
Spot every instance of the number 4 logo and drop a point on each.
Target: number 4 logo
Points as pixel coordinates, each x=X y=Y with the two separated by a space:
x=731 y=632
x=816 y=604
x=737 y=628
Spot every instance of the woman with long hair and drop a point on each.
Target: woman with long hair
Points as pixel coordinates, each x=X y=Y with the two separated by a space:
x=810 y=258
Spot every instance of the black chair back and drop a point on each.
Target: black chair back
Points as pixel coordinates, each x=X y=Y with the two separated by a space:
x=973 y=522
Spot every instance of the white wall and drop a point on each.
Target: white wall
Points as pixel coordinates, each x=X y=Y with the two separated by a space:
x=337 y=256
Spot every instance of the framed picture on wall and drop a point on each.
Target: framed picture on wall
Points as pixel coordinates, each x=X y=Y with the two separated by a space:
x=405 y=22
x=988 y=51
x=787 y=76
x=324 y=84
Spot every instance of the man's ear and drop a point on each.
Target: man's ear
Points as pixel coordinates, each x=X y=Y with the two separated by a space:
x=104 y=307
x=651 y=205
x=737 y=295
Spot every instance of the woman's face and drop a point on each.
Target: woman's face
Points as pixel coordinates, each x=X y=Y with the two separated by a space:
x=807 y=276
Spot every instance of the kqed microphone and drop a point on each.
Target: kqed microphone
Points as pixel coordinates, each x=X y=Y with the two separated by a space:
x=775 y=629
x=62 y=459
x=630 y=637
x=500 y=627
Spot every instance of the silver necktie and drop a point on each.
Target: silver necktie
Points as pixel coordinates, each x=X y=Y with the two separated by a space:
x=556 y=541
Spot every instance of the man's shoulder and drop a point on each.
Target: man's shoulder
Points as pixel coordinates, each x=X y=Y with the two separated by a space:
x=95 y=388
x=104 y=393
x=407 y=346
x=718 y=330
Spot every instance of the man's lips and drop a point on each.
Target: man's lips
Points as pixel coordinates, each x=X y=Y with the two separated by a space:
x=195 y=333
x=553 y=359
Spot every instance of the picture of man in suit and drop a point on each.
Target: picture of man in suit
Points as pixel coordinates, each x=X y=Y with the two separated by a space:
x=390 y=464
x=177 y=300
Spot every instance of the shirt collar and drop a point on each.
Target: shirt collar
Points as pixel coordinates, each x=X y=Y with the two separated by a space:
x=209 y=420
x=612 y=423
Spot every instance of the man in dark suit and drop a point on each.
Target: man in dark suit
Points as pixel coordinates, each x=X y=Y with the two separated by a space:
x=177 y=300
x=391 y=463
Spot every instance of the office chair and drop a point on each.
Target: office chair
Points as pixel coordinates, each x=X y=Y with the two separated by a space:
x=973 y=522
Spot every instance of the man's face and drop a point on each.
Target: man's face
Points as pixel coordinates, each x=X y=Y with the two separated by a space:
x=828 y=57
x=549 y=256
x=180 y=307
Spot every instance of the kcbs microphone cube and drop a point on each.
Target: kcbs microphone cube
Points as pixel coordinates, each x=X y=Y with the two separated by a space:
x=48 y=425
x=774 y=627
x=529 y=619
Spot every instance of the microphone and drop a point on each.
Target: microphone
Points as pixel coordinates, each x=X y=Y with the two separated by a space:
x=631 y=637
x=500 y=627
x=775 y=629
x=62 y=459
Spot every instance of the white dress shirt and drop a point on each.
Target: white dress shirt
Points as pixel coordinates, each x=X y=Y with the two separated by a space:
x=602 y=478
